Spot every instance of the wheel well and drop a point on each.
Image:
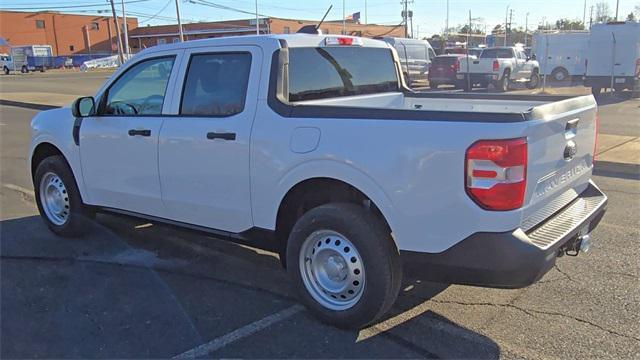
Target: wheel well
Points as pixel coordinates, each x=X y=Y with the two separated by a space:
x=42 y=151
x=559 y=68
x=312 y=193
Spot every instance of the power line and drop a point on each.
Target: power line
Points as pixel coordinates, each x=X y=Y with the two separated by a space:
x=156 y=14
x=69 y=6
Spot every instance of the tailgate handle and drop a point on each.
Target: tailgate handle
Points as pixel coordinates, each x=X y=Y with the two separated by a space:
x=571 y=129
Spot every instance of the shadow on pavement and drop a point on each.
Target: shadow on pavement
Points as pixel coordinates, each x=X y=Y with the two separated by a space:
x=617 y=170
x=611 y=98
x=27 y=105
x=137 y=289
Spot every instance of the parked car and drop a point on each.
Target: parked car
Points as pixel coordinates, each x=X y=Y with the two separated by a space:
x=500 y=66
x=415 y=57
x=561 y=53
x=338 y=164
x=613 y=59
x=444 y=71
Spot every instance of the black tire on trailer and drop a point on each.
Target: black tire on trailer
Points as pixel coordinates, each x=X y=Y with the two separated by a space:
x=58 y=198
x=344 y=264
x=6 y=70
x=24 y=69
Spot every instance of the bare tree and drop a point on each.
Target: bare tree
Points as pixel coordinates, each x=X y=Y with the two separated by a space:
x=603 y=13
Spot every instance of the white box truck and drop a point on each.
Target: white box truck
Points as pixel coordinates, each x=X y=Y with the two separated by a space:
x=613 y=59
x=561 y=54
x=20 y=54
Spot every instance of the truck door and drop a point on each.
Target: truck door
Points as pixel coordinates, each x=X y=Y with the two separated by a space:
x=119 y=145
x=204 y=147
x=523 y=67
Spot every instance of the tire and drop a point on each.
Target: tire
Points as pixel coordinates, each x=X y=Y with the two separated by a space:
x=6 y=70
x=503 y=83
x=42 y=69
x=534 y=81
x=368 y=287
x=24 y=69
x=559 y=74
x=58 y=198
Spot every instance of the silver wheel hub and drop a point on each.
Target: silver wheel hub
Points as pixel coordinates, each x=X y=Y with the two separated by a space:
x=54 y=198
x=332 y=270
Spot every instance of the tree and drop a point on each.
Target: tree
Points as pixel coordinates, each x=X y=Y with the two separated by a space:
x=568 y=24
x=603 y=13
x=631 y=17
x=465 y=29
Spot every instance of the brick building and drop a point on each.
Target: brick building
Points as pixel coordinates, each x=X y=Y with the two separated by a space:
x=147 y=36
x=67 y=34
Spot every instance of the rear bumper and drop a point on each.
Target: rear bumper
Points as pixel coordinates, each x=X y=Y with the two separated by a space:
x=628 y=82
x=512 y=259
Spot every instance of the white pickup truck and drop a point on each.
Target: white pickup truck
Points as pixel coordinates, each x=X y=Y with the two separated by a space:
x=500 y=66
x=315 y=144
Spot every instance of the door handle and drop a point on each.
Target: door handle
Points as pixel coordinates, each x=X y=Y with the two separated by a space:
x=223 y=136
x=134 y=132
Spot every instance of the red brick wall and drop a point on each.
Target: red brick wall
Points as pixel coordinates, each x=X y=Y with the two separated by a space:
x=64 y=32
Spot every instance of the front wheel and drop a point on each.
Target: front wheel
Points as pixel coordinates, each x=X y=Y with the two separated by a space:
x=58 y=198
x=344 y=264
x=503 y=83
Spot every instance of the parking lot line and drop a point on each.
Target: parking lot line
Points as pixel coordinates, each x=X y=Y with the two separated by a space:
x=235 y=335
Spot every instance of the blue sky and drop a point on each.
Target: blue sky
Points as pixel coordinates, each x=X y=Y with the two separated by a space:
x=429 y=15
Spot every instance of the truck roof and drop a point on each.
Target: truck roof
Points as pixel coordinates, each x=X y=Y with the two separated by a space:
x=272 y=40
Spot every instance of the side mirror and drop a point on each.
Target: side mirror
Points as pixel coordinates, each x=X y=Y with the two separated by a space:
x=533 y=57
x=83 y=106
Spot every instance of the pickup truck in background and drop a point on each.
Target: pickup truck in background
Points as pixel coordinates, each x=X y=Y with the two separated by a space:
x=316 y=147
x=500 y=66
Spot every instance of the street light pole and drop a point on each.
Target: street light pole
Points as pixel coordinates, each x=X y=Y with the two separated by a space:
x=526 y=28
x=257 y=22
x=344 y=19
x=115 y=20
x=179 y=22
x=506 y=17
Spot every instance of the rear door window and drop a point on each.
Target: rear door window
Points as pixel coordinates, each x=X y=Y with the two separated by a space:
x=325 y=72
x=216 y=84
x=497 y=54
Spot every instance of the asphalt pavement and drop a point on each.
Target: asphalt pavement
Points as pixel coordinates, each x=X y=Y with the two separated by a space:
x=134 y=289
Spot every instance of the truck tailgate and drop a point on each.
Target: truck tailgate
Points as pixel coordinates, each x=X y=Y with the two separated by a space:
x=561 y=141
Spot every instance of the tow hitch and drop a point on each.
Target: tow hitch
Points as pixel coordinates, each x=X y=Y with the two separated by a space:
x=581 y=243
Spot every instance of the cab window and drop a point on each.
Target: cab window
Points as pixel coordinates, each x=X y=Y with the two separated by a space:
x=140 y=90
x=216 y=84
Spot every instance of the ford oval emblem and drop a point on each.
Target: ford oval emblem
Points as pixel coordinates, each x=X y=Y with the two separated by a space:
x=570 y=150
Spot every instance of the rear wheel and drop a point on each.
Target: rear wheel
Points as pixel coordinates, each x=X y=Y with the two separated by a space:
x=58 y=198
x=24 y=69
x=6 y=70
x=534 y=81
x=560 y=74
x=344 y=264
x=503 y=83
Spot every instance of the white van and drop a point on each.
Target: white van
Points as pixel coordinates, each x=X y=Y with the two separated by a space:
x=415 y=57
x=613 y=59
x=561 y=54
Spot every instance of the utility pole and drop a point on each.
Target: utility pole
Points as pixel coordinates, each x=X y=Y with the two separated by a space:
x=590 y=17
x=365 y=12
x=86 y=29
x=446 y=24
x=617 y=5
x=526 y=28
x=126 y=31
x=257 y=21
x=506 y=16
x=405 y=17
x=179 y=22
x=115 y=20
x=510 y=20
x=344 y=19
x=584 y=14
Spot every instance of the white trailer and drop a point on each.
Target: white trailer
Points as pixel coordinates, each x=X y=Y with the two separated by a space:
x=561 y=53
x=613 y=57
x=20 y=54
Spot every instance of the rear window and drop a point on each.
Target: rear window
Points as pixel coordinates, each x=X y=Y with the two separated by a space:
x=445 y=60
x=320 y=73
x=497 y=54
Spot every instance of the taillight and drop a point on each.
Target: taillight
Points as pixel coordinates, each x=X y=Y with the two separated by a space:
x=342 y=41
x=496 y=65
x=496 y=173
